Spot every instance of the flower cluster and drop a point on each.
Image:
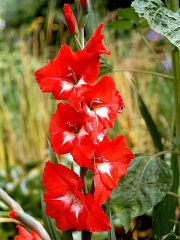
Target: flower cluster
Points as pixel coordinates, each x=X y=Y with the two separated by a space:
x=87 y=108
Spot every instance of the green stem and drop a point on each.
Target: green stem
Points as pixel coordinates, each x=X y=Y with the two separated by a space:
x=174 y=6
x=79 y=46
x=11 y=203
x=67 y=235
x=82 y=36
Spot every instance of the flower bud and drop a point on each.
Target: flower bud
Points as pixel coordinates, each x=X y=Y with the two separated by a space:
x=70 y=18
x=12 y=214
x=84 y=5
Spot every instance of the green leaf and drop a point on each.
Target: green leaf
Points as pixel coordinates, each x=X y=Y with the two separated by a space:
x=164 y=212
x=111 y=234
x=106 y=68
x=160 y=19
x=49 y=223
x=146 y=183
x=128 y=13
x=123 y=24
x=153 y=130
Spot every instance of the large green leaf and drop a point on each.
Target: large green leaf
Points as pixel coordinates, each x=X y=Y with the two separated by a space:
x=146 y=183
x=160 y=19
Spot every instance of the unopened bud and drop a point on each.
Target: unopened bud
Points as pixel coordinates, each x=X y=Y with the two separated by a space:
x=84 y=4
x=70 y=18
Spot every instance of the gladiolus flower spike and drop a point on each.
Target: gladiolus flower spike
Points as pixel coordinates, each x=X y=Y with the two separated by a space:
x=87 y=107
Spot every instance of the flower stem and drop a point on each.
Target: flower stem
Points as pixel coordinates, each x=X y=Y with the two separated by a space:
x=174 y=5
x=79 y=46
x=11 y=203
x=82 y=36
x=166 y=76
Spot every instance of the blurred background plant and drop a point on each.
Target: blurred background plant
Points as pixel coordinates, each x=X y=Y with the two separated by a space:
x=140 y=62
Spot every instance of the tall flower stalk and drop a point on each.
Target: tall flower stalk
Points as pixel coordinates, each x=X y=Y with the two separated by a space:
x=174 y=6
x=87 y=107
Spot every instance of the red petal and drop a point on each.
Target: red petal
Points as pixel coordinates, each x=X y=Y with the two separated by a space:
x=62 y=75
x=64 y=124
x=102 y=105
x=97 y=221
x=115 y=150
x=23 y=234
x=87 y=65
x=102 y=191
x=102 y=91
x=68 y=210
x=64 y=199
x=112 y=158
x=59 y=179
x=82 y=154
x=95 y=44
x=61 y=140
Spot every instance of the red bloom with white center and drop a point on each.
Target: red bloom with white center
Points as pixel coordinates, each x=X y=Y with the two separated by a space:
x=66 y=128
x=25 y=235
x=66 y=203
x=68 y=74
x=109 y=162
x=70 y=18
x=102 y=104
x=68 y=133
x=95 y=44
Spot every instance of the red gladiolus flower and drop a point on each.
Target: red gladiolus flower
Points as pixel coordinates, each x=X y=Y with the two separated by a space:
x=25 y=235
x=70 y=18
x=66 y=128
x=95 y=44
x=68 y=132
x=102 y=104
x=66 y=203
x=68 y=74
x=109 y=162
